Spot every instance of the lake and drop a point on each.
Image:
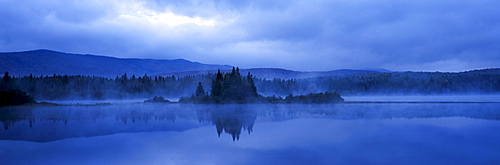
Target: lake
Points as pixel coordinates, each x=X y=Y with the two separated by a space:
x=349 y=133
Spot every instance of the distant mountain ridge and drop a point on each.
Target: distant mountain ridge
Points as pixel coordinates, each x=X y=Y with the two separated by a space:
x=271 y=73
x=484 y=71
x=48 y=62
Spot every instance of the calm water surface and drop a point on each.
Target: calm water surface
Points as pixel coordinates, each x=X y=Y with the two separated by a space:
x=139 y=133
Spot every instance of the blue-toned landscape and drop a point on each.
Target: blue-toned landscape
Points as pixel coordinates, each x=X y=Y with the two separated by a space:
x=442 y=118
x=226 y=82
x=155 y=133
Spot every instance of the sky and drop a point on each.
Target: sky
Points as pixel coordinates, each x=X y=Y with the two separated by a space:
x=304 y=35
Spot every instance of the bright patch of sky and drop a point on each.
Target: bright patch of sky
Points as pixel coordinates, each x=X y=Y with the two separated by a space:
x=137 y=12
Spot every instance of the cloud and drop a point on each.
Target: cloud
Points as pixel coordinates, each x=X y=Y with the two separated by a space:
x=297 y=34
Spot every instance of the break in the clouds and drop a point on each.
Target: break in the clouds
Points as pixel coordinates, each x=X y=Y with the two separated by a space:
x=425 y=35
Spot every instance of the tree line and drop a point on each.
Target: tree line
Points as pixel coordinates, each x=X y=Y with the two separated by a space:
x=92 y=87
x=55 y=87
x=387 y=83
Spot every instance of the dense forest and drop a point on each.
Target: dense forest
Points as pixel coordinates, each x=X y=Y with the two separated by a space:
x=92 y=87
x=388 y=83
x=53 y=87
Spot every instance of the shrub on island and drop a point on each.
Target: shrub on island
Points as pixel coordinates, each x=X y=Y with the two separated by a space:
x=157 y=99
x=15 y=97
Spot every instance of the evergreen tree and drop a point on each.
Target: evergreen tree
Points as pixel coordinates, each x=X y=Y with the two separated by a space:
x=200 y=92
x=124 y=77
x=217 y=87
x=7 y=83
x=234 y=89
x=251 y=84
x=6 y=77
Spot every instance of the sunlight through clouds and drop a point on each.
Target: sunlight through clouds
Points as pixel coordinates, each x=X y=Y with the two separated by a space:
x=169 y=18
x=137 y=12
x=390 y=34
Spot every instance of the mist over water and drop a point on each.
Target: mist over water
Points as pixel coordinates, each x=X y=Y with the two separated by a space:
x=357 y=98
x=158 y=133
x=150 y=82
x=93 y=102
x=424 y=98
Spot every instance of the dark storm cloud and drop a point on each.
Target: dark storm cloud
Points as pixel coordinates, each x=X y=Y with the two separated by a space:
x=302 y=35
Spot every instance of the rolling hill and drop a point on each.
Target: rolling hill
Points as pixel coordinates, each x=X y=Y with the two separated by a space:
x=271 y=73
x=48 y=62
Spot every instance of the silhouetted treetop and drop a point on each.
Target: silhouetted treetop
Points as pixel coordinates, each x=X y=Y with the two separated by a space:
x=200 y=91
x=227 y=88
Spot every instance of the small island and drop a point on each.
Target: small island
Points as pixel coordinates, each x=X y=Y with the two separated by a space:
x=233 y=88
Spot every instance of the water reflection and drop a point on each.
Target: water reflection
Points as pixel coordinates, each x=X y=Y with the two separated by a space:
x=49 y=123
x=101 y=120
x=10 y=117
x=232 y=119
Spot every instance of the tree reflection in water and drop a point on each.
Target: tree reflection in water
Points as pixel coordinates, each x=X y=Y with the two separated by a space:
x=86 y=121
x=232 y=119
x=10 y=117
